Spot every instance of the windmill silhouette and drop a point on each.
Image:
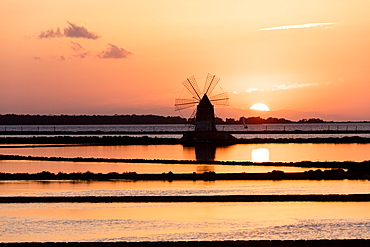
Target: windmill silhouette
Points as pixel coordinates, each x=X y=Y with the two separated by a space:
x=204 y=114
x=205 y=127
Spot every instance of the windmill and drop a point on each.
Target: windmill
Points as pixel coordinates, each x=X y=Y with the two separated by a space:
x=204 y=115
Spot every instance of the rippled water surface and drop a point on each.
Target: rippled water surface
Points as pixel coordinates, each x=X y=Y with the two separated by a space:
x=54 y=222
x=183 y=221
x=182 y=188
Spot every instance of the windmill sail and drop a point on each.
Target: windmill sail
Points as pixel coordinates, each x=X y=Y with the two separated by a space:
x=210 y=84
x=192 y=86
x=220 y=99
x=181 y=104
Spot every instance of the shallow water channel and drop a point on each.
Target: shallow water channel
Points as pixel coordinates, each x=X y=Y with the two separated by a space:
x=67 y=222
x=289 y=152
x=182 y=188
x=183 y=221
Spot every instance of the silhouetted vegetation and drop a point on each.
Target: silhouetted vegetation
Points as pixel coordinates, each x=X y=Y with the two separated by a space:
x=311 y=120
x=334 y=174
x=352 y=166
x=259 y=120
x=13 y=119
x=145 y=140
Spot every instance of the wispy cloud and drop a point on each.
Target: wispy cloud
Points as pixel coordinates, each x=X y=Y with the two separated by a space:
x=76 y=46
x=307 y=25
x=80 y=51
x=279 y=87
x=50 y=34
x=114 y=51
x=292 y=86
x=249 y=90
x=59 y=58
x=73 y=31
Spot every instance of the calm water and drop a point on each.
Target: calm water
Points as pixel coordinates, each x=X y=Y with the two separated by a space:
x=19 y=166
x=183 y=221
x=290 y=152
x=181 y=188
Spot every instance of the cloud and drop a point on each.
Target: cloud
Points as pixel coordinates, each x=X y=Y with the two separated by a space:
x=76 y=46
x=292 y=86
x=249 y=90
x=50 y=34
x=81 y=52
x=60 y=58
x=73 y=31
x=114 y=51
x=281 y=87
x=37 y=58
x=308 y=25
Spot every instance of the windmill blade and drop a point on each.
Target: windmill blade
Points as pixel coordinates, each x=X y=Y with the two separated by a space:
x=210 y=84
x=191 y=119
x=220 y=99
x=181 y=104
x=192 y=86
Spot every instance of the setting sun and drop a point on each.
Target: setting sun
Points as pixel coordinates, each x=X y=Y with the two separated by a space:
x=260 y=107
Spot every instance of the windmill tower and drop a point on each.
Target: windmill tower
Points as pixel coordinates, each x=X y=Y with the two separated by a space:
x=204 y=115
x=205 y=127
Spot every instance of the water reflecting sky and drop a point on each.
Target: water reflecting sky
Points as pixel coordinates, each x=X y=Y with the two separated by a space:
x=183 y=221
x=288 y=152
x=182 y=188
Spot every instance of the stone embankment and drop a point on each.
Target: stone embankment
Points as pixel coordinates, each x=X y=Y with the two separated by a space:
x=183 y=199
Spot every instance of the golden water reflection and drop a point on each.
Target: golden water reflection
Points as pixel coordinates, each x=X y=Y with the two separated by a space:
x=183 y=221
x=260 y=155
x=289 y=152
x=20 y=166
x=182 y=188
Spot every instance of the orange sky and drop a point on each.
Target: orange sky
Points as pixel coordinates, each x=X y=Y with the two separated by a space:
x=307 y=58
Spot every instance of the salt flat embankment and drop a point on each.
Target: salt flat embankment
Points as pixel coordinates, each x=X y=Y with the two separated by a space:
x=101 y=138
x=179 y=199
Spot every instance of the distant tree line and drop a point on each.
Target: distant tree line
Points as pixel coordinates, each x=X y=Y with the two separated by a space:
x=270 y=120
x=14 y=119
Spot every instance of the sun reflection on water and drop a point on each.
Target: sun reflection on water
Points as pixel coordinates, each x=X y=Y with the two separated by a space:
x=260 y=155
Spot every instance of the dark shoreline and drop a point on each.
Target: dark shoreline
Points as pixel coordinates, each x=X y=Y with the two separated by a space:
x=226 y=243
x=102 y=139
x=335 y=174
x=363 y=166
x=186 y=199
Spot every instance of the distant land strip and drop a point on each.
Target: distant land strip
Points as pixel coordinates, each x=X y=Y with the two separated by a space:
x=354 y=166
x=173 y=199
x=63 y=119
x=245 y=132
x=145 y=140
x=226 y=243
x=334 y=174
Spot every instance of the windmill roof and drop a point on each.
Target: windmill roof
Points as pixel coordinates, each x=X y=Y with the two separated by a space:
x=205 y=101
